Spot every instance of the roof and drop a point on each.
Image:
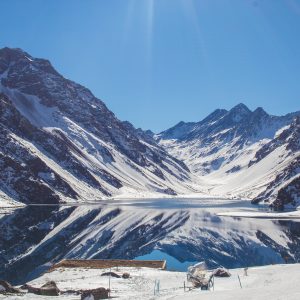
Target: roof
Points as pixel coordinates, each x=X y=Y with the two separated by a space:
x=109 y=263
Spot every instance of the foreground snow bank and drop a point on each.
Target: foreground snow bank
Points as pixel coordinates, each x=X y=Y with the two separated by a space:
x=139 y=286
x=274 y=281
x=268 y=282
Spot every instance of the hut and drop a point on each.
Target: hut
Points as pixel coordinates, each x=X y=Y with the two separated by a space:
x=109 y=263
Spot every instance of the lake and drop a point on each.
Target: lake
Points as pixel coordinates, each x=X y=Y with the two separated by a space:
x=182 y=231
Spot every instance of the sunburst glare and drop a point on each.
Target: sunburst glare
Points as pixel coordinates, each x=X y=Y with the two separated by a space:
x=149 y=35
x=190 y=10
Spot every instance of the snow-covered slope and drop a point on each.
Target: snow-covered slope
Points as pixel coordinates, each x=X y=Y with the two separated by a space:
x=278 y=282
x=269 y=282
x=238 y=152
x=60 y=143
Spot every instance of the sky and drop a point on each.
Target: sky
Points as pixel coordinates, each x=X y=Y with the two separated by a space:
x=158 y=62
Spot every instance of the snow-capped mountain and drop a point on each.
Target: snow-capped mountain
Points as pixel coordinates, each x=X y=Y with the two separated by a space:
x=237 y=152
x=59 y=142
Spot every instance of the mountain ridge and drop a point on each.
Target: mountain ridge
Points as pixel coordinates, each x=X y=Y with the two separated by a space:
x=223 y=147
x=219 y=113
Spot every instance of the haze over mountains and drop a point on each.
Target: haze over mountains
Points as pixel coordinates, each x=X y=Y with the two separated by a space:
x=59 y=141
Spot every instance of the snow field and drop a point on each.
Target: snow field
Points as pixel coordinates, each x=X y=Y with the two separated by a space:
x=280 y=282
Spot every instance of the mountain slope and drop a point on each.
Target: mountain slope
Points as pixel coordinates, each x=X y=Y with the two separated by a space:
x=61 y=142
x=285 y=188
x=237 y=152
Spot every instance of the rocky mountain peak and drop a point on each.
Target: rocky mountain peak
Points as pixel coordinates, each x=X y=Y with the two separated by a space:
x=259 y=111
x=215 y=115
x=241 y=107
x=14 y=59
x=239 y=112
x=13 y=54
x=9 y=55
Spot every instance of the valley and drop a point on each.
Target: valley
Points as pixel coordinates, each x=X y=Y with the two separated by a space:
x=77 y=182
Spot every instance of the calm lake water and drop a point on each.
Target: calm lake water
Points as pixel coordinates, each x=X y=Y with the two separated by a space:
x=180 y=231
x=172 y=263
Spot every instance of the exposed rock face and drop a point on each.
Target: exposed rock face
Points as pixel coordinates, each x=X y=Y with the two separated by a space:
x=283 y=191
x=59 y=141
x=289 y=195
x=25 y=176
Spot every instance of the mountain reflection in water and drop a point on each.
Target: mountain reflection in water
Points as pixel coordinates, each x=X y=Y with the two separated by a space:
x=35 y=237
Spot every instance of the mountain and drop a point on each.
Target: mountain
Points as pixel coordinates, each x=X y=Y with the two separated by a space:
x=60 y=143
x=239 y=152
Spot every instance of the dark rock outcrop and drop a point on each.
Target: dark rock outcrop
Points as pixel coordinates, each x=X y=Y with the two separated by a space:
x=96 y=294
x=48 y=289
x=6 y=287
x=112 y=274
x=221 y=272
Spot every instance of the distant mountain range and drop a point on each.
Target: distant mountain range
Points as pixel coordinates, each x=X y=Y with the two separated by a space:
x=58 y=143
x=241 y=153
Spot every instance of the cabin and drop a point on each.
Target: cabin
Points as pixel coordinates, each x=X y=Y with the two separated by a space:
x=109 y=263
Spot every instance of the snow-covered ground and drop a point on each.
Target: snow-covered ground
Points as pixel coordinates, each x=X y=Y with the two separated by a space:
x=268 y=282
x=280 y=282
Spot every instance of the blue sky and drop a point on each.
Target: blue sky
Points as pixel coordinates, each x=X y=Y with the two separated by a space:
x=157 y=62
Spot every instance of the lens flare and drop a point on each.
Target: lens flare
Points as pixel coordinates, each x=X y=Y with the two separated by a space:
x=137 y=10
x=190 y=11
x=149 y=34
x=193 y=15
x=128 y=21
